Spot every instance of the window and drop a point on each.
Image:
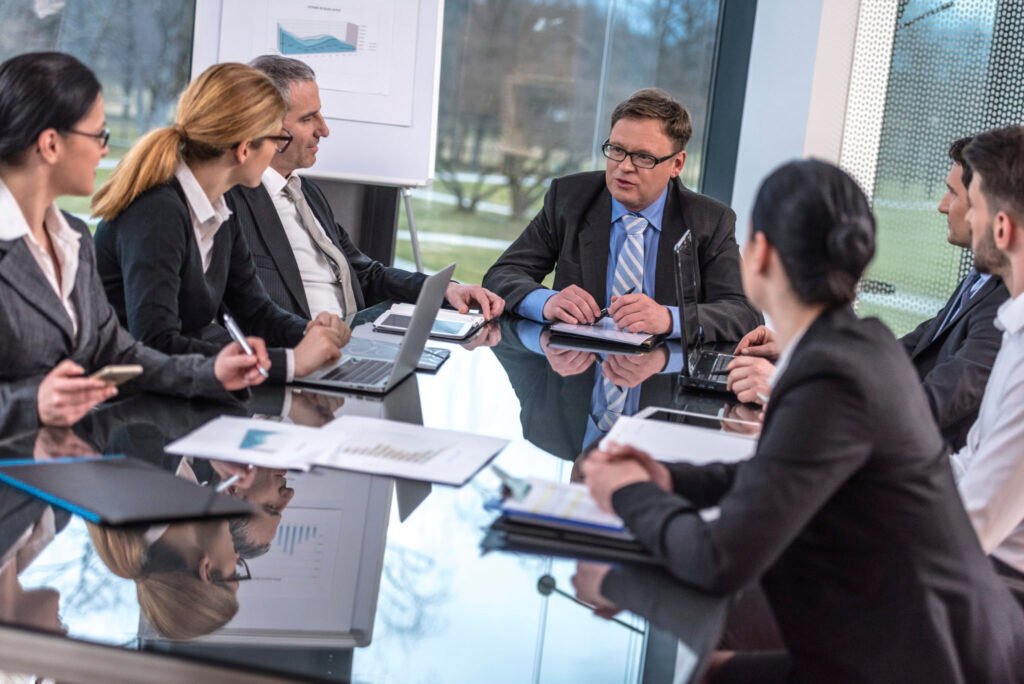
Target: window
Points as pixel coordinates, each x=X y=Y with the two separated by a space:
x=527 y=90
x=140 y=50
x=943 y=70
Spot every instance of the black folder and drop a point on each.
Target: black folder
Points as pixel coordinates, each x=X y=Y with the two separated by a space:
x=114 y=490
x=506 y=534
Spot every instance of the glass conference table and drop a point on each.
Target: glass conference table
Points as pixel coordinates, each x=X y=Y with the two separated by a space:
x=354 y=577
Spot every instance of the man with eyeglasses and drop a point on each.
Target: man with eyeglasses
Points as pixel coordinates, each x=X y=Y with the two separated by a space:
x=609 y=237
x=303 y=256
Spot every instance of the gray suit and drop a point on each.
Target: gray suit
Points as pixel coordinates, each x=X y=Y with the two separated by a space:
x=38 y=335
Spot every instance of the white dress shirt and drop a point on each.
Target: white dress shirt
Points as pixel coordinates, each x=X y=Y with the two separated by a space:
x=323 y=292
x=207 y=216
x=990 y=467
x=65 y=239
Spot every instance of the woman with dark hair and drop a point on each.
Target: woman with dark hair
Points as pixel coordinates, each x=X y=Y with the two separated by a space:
x=55 y=320
x=847 y=514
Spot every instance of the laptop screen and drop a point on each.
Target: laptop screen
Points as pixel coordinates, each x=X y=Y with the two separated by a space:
x=686 y=289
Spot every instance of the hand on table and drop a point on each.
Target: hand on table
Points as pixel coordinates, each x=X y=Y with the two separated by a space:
x=629 y=370
x=750 y=378
x=235 y=370
x=487 y=336
x=333 y=322
x=565 y=362
x=461 y=296
x=321 y=344
x=639 y=313
x=760 y=341
x=587 y=583
x=572 y=305
x=66 y=394
x=313 y=409
x=606 y=472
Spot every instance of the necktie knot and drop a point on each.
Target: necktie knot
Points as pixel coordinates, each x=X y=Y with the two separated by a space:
x=634 y=224
x=293 y=188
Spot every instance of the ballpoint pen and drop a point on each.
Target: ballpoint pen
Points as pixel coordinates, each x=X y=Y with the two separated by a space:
x=227 y=483
x=516 y=486
x=237 y=336
x=604 y=312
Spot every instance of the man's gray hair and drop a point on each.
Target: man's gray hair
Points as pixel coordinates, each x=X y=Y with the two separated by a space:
x=283 y=71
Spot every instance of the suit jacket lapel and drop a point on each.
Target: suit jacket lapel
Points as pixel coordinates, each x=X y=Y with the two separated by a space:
x=929 y=336
x=19 y=268
x=595 y=235
x=673 y=226
x=268 y=224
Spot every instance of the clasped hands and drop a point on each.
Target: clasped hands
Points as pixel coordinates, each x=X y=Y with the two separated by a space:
x=632 y=312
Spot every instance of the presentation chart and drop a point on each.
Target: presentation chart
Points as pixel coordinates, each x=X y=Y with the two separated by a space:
x=290 y=536
x=302 y=554
x=408 y=455
x=298 y=38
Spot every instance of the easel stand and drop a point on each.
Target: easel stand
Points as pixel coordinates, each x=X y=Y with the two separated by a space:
x=414 y=237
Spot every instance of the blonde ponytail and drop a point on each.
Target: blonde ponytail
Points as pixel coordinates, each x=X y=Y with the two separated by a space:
x=150 y=163
x=224 y=106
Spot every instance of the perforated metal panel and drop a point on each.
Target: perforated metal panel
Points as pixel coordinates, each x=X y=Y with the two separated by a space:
x=925 y=73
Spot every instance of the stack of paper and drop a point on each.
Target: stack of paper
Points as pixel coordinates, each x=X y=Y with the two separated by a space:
x=364 y=445
x=605 y=331
x=678 y=443
x=564 y=505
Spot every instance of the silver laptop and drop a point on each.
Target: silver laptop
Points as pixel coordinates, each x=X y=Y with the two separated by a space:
x=702 y=369
x=354 y=372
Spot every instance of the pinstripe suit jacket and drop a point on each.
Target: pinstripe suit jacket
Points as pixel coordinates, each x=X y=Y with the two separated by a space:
x=37 y=335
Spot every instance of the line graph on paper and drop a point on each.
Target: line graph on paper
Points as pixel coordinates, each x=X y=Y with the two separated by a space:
x=302 y=38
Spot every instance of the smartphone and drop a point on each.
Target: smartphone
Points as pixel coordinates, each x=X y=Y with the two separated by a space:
x=117 y=375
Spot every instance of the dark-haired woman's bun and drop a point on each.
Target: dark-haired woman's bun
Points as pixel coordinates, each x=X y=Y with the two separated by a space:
x=850 y=244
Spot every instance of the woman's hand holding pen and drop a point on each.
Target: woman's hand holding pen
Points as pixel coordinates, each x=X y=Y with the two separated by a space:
x=235 y=369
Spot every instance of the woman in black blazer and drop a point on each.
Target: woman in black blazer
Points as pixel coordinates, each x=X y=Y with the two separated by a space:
x=847 y=514
x=171 y=257
x=55 y=321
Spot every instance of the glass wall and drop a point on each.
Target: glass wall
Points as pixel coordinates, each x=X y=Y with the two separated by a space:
x=140 y=49
x=955 y=70
x=527 y=89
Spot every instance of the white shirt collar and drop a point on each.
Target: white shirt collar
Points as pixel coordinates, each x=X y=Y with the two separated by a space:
x=1010 y=317
x=787 y=354
x=13 y=224
x=274 y=182
x=198 y=203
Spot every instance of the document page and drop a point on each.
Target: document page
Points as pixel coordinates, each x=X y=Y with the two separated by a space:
x=678 y=443
x=382 y=447
x=264 y=443
x=604 y=330
x=564 y=505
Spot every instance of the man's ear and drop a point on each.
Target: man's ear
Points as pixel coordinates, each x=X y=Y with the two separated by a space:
x=759 y=256
x=48 y=145
x=206 y=568
x=1006 y=232
x=678 y=163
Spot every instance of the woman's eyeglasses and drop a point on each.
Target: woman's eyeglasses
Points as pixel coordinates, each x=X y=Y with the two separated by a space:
x=281 y=142
x=241 y=573
x=103 y=136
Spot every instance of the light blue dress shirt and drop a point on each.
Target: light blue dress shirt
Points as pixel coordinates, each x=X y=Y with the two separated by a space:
x=532 y=305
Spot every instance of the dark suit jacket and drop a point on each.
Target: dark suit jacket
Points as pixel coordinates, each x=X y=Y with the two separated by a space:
x=954 y=367
x=37 y=335
x=849 y=514
x=153 y=274
x=372 y=281
x=571 y=235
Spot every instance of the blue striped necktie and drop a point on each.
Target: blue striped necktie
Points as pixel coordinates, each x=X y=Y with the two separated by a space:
x=629 y=273
x=629 y=269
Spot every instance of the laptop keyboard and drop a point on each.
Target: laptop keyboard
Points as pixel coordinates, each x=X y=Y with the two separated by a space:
x=361 y=371
x=710 y=362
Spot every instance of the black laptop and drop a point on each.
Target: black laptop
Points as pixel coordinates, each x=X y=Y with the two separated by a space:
x=702 y=369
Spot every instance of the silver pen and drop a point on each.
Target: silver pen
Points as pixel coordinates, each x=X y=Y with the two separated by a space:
x=237 y=336
x=227 y=483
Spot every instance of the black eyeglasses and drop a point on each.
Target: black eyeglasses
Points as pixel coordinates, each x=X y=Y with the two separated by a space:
x=283 y=141
x=241 y=573
x=641 y=160
x=103 y=136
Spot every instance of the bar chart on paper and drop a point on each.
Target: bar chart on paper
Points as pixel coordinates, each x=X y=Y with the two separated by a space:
x=302 y=555
x=317 y=38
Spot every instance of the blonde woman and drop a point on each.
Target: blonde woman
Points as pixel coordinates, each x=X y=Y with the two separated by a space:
x=172 y=257
x=186 y=575
x=55 y=322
